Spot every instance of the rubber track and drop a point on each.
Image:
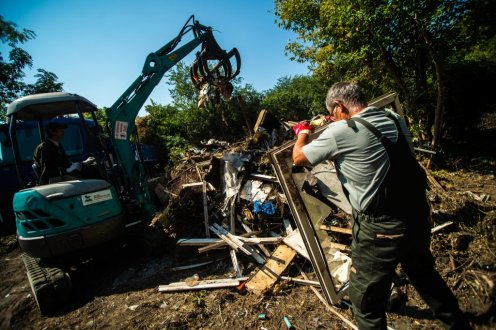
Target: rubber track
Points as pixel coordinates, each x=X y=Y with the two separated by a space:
x=50 y=285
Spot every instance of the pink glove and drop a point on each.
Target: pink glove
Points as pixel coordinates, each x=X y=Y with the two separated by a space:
x=302 y=127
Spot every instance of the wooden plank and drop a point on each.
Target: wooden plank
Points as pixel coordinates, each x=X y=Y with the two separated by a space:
x=295 y=241
x=300 y=281
x=438 y=228
x=342 y=247
x=336 y=229
x=260 y=240
x=260 y=119
x=270 y=271
x=200 y=285
x=434 y=184
x=194 y=184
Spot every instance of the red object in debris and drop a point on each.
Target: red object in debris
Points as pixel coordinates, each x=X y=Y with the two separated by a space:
x=242 y=287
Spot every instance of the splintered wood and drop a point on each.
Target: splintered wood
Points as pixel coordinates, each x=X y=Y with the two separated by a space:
x=270 y=271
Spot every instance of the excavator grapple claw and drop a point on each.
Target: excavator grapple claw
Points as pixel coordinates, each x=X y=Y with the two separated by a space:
x=213 y=70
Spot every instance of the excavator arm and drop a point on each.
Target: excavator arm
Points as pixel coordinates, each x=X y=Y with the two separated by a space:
x=122 y=114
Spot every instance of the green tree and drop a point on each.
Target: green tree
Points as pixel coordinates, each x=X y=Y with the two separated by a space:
x=296 y=98
x=46 y=82
x=399 y=45
x=11 y=68
x=183 y=93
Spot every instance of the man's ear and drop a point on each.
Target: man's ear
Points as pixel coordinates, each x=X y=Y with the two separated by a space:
x=344 y=111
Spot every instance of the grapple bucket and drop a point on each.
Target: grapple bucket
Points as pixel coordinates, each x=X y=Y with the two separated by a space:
x=213 y=69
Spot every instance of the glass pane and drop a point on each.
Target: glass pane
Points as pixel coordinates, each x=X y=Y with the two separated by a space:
x=73 y=141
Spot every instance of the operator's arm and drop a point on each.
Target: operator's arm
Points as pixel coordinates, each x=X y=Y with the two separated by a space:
x=299 y=157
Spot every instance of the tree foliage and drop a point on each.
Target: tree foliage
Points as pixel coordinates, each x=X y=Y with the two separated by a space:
x=296 y=98
x=46 y=82
x=11 y=68
x=390 y=45
x=12 y=84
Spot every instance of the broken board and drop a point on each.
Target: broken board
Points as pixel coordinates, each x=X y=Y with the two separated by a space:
x=270 y=271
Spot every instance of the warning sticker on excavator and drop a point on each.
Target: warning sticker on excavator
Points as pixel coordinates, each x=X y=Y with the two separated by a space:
x=96 y=197
x=121 y=130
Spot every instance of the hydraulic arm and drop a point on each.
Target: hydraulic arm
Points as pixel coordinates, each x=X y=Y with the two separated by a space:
x=122 y=114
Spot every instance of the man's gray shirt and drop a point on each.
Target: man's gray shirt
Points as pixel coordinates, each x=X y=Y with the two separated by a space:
x=360 y=158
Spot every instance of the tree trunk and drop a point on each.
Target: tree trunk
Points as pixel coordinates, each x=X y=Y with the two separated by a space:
x=438 y=67
x=421 y=90
x=394 y=72
x=439 y=114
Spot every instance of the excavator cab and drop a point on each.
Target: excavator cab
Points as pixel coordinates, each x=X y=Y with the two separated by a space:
x=53 y=219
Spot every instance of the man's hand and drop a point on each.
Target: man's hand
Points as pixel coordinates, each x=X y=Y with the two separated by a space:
x=88 y=160
x=302 y=127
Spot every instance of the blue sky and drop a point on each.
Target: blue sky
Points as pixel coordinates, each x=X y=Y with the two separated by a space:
x=98 y=47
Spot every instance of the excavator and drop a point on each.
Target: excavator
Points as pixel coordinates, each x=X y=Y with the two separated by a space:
x=64 y=221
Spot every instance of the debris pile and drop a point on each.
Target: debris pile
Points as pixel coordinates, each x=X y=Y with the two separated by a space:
x=226 y=206
x=231 y=206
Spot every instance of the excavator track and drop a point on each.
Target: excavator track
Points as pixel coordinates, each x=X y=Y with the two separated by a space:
x=51 y=286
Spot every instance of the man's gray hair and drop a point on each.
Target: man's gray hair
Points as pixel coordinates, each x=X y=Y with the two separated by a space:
x=350 y=94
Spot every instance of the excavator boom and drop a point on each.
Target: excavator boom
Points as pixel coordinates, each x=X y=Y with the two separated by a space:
x=122 y=114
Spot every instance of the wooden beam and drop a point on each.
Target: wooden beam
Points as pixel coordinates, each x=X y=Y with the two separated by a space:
x=295 y=241
x=260 y=119
x=342 y=247
x=260 y=240
x=336 y=229
x=200 y=285
x=434 y=183
x=268 y=274
x=300 y=281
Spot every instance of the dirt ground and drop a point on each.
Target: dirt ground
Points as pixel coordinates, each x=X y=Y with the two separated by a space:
x=120 y=292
